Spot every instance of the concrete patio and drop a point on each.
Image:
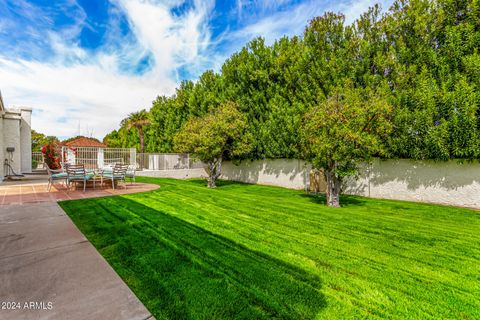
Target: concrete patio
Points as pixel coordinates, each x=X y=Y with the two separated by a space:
x=33 y=189
x=48 y=269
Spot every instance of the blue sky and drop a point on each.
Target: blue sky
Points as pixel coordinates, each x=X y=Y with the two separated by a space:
x=83 y=65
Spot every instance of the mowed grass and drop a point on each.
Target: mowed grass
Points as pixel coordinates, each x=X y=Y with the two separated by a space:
x=249 y=252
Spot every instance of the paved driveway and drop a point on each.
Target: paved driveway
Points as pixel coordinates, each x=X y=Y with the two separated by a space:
x=49 y=270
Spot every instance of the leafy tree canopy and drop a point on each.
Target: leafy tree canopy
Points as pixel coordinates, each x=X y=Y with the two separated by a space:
x=425 y=52
x=220 y=134
x=347 y=128
x=39 y=140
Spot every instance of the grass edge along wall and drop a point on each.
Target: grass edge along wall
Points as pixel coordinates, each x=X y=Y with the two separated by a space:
x=445 y=182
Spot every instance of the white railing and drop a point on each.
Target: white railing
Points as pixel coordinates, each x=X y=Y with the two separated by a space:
x=166 y=161
x=37 y=160
x=93 y=157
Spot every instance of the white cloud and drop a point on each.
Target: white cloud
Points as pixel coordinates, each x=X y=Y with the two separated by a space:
x=77 y=87
x=291 y=22
x=173 y=40
x=353 y=9
x=259 y=7
x=64 y=96
x=294 y=20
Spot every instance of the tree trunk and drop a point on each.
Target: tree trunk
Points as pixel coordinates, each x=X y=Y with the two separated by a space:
x=142 y=140
x=211 y=182
x=334 y=183
x=214 y=171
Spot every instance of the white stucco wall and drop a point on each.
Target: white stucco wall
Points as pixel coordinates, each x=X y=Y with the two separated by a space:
x=288 y=173
x=15 y=131
x=26 y=140
x=11 y=138
x=2 y=148
x=451 y=183
x=175 y=174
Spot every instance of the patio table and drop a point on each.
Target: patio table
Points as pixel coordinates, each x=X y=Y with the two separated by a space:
x=114 y=174
x=97 y=176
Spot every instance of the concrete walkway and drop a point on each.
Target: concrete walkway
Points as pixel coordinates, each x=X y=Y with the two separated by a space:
x=49 y=270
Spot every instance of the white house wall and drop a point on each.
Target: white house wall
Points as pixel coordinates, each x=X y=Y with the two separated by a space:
x=11 y=138
x=26 y=140
x=2 y=148
x=15 y=131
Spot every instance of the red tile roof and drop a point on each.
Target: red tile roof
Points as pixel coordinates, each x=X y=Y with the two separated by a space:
x=84 y=142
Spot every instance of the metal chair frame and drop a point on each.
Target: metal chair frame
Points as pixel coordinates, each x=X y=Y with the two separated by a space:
x=77 y=173
x=117 y=174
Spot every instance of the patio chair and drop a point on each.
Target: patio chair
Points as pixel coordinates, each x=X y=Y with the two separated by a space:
x=118 y=173
x=77 y=173
x=131 y=172
x=55 y=175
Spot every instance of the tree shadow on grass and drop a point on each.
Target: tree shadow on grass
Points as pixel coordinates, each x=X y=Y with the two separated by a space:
x=181 y=271
x=220 y=183
x=345 y=200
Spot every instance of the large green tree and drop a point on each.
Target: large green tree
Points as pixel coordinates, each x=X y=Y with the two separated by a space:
x=168 y=114
x=434 y=75
x=263 y=81
x=350 y=111
x=220 y=134
x=39 y=140
x=343 y=131
x=138 y=120
x=113 y=139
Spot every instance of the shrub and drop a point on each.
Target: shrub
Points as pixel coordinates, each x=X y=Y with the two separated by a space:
x=51 y=156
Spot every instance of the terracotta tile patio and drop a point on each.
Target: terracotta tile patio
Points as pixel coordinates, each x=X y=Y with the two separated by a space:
x=35 y=191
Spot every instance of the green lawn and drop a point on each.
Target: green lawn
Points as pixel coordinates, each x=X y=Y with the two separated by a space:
x=248 y=252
